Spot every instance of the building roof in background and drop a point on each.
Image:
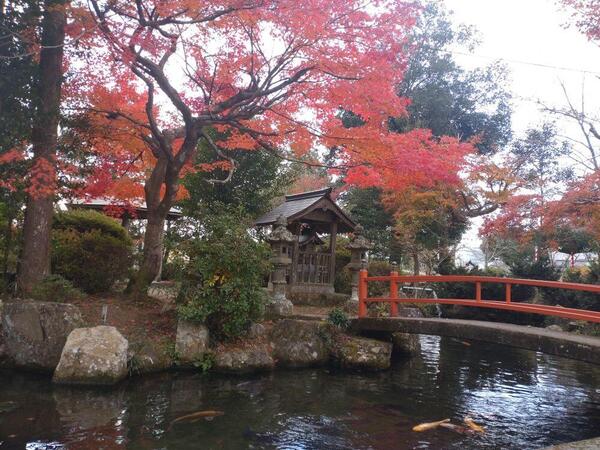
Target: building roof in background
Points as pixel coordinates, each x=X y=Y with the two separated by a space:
x=315 y=208
x=100 y=204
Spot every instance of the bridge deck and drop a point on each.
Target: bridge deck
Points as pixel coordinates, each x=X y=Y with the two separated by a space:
x=583 y=348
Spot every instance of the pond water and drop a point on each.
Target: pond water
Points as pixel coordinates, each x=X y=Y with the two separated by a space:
x=526 y=400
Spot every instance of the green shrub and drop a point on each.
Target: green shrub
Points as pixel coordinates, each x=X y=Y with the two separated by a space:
x=90 y=249
x=206 y=362
x=578 y=299
x=55 y=288
x=221 y=285
x=338 y=318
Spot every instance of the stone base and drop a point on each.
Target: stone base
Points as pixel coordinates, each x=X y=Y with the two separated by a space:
x=279 y=308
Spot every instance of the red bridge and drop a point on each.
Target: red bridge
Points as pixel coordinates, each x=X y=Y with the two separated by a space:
x=394 y=299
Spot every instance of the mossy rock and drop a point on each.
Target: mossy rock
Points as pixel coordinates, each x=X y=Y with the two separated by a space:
x=351 y=352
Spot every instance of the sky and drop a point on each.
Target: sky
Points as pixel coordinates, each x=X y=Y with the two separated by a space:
x=533 y=32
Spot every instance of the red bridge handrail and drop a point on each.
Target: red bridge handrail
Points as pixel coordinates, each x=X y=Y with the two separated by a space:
x=394 y=279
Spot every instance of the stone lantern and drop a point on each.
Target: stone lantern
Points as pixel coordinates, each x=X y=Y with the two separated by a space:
x=281 y=241
x=358 y=247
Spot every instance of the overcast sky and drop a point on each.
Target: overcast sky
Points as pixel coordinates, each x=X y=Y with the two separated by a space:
x=532 y=31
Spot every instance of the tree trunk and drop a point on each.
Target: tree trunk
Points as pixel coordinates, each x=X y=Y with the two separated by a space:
x=416 y=264
x=35 y=257
x=153 y=251
x=167 y=247
x=8 y=238
x=158 y=209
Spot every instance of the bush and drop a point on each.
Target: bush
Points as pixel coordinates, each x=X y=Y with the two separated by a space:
x=90 y=249
x=579 y=299
x=55 y=288
x=489 y=291
x=528 y=267
x=338 y=318
x=221 y=284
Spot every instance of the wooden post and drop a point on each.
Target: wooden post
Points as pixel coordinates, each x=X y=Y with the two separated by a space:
x=295 y=256
x=332 y=243
x=362 y=292
x=394 y=291
x=508 y=293
x=478 y=291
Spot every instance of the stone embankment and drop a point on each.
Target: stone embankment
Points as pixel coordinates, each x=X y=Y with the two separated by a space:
x=53 y=338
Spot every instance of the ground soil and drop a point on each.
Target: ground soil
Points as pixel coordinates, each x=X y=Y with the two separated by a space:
x=137 y=319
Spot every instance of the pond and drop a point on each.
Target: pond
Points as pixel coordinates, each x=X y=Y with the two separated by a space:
x=525 y=400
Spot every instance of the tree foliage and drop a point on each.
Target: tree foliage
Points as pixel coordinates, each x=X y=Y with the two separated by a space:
x=223 y=278
x=448 y=100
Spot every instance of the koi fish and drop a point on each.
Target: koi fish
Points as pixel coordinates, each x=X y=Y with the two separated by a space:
x=457 y=428
x=429 y=425
x=207 y=415
x=473 y=426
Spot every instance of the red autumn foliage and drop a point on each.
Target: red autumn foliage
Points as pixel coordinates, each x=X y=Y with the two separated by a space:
x=268 y=75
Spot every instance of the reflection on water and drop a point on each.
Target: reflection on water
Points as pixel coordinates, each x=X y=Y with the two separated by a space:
x=525 y=399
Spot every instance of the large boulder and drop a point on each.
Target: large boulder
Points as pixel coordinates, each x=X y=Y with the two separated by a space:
x=191 y=343
x=93 y=356
x=35 y=333
x=352 y=352
x=244 y=360
x=300 y=343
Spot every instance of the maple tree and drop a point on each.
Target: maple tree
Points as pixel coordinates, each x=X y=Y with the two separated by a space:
x=449 y=100
x=270 y=76
x=530 y=217
x=586 y=14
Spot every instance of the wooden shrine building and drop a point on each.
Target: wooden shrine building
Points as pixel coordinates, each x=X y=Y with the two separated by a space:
x=309 y=216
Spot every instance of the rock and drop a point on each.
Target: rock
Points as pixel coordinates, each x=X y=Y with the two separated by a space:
x=554 y=328
x=35 y=332
x=93 y=356
x=406 y=344
x=300 y=343
x=166 y=292
x=256 y=330
x=575 y=326
x=405 y=311
x=352 y=352
x=191 y=343
x=148 y=357
x=244 y=360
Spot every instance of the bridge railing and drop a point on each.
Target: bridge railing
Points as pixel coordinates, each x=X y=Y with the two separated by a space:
x=394 y=299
